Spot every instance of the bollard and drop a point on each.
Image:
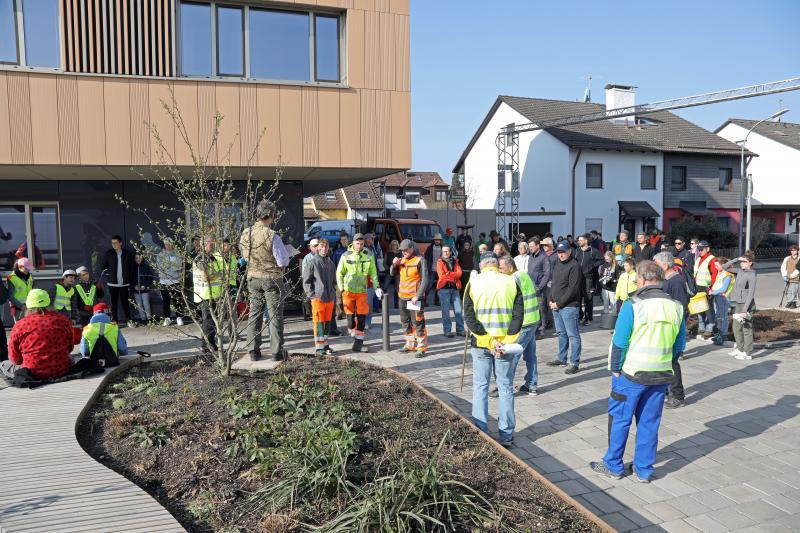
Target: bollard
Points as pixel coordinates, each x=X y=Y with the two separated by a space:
x=385 y=321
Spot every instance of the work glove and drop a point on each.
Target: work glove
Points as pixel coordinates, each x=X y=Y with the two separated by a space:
x=379 y=293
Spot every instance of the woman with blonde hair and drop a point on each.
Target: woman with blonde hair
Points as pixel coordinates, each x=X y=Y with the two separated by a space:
x=608 y=276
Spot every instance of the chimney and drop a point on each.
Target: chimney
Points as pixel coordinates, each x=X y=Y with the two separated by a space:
x=620 y=96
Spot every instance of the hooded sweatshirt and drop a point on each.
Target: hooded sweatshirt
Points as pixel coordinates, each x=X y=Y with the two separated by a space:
x=122 y=345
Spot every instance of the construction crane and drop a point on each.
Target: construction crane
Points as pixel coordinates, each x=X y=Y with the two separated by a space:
x=507 y=141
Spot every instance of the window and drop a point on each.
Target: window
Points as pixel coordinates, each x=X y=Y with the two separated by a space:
x=378 y=230
x=420 y=232
x=441 y=196
x=330 y=196
x=326 y=43
x=230 y=41
x=648 y=177
x=195 y=39
x=678 y=179
x=594 y=224
x=25 y=227
x=279 y=45
x=39 y=33
x=256 y=42
x=363 y=195
x=724 y=222
x=594 y=176
x=726 y=179
x=412 y=197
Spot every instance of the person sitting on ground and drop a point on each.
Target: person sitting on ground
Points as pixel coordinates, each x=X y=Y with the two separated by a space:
x=40 y=342
x=790 y=270
x=743 y=298
x=102 y=339
x=626 y=284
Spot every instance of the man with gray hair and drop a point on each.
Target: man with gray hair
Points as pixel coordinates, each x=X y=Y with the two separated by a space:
x=266 y=258
x=649 y=335
x=675 y=287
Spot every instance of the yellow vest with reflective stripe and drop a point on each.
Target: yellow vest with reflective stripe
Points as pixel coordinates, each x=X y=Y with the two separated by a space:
x=702 y=272
x=63 y=298
x=656 y=323
x=95 y=330
x=19 y=287
x=208 y=285
x=721 y=275
x=234 y=270
x=528 y=289
x=86 y=297
x=493 y=297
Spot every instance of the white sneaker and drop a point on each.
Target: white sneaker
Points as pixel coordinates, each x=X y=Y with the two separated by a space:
x=166 y=322
x=743 y=357
x=735 y=352
x=180 y=321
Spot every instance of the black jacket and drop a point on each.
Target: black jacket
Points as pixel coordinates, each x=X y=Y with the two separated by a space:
x=110 y=265
x=641 y=254
x=589 y=261
x=567 y=283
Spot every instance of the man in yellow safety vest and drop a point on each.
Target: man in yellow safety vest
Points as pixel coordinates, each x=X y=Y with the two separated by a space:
x=494 y=312
x=64 y=298
x=527 y=336
x=207 y=279
x=649 y=334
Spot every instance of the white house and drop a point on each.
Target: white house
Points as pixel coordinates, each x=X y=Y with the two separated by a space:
x=600 y=175
x=776 y=170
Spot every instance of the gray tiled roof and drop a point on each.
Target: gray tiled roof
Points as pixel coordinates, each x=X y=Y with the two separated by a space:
x=662 y=132
x=786 y=133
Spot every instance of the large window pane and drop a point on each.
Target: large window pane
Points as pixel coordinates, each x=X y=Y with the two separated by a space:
x=230 y=41
x=13 y=238
x=648 y=177
x=279 y=45
x=327 y=44
x=8 y=34
x=195 y=39
x=678 y=178
x=44 y=224
x=42 y=47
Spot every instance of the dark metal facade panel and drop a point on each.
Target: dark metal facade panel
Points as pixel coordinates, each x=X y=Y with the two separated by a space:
x=702 y=180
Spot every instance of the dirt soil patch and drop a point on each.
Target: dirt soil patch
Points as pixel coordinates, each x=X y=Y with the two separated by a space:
x=776 y=325
x=194 y=441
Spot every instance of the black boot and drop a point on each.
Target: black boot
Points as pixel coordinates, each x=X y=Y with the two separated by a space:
x=358 y=345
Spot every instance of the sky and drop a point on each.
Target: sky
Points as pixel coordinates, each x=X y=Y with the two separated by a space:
x=466 y=52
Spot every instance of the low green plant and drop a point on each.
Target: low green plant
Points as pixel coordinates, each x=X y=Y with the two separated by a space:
x=119 y=403
x=150 y=436
x=202 y=507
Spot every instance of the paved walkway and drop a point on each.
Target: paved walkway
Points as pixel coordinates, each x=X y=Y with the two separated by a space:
x=49 y=484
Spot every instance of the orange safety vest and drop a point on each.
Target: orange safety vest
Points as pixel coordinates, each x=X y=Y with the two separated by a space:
x=410 y=277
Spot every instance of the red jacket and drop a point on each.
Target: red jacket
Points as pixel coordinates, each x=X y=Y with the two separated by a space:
x=448 y=276
x=42 y=344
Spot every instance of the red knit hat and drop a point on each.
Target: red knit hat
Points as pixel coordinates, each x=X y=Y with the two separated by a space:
x=100 y=308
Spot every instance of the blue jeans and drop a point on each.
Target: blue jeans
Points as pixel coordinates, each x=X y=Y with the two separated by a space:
x=370 y=297
x=566 y=322
x=721 y=305
x=646 y=403
x=707 y=319
x=527 y=339
x=451 y=298
x=482 y=363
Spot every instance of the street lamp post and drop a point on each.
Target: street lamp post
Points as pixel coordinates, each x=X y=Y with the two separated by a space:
x=747 y=185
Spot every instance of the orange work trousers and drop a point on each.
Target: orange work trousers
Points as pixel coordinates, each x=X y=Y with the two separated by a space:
x=356 y=308
x=321 y=313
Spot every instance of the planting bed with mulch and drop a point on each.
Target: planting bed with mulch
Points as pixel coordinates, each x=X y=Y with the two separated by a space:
x=773 y=325
x=321 y=443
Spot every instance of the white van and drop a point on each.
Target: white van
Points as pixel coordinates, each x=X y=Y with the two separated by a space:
x=330 y=227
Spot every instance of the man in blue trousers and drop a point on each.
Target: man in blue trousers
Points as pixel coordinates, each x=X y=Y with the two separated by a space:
x=649 y=334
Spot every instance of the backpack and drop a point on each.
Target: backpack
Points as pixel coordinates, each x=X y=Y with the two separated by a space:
x=691 y=286
x=102 y=351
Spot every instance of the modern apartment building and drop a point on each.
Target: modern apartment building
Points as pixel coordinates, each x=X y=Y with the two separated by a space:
x=81 y=81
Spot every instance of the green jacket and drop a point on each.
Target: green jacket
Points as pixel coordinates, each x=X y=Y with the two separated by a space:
x=354 y=269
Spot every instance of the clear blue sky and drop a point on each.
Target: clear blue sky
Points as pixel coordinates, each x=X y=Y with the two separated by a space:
x=466 y=52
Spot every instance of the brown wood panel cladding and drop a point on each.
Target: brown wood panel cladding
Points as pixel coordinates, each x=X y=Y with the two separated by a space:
x=5 y=129
x=19 y=118
x=69 y=148
x=132 y=37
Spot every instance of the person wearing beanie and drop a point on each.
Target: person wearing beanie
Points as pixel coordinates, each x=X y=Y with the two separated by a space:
x=100 y=325
x=40 y=342
x=20 y=283
x=89 y=292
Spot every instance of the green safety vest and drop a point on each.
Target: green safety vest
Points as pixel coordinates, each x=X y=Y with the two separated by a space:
x=19 y=287
x=86 y=298
x=63 y=298
x=702 y=272
x=493 y=296
x=528 y=289
x=656 y=323
x=354 y=269
x=234 y=269
x=212 y=288
x=721 y=275
x=95 y=330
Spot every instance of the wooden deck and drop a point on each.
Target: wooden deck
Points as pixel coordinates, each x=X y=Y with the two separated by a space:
x=49 y=484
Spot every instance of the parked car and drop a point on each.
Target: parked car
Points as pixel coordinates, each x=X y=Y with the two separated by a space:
x=418 y=230
x=326 y=228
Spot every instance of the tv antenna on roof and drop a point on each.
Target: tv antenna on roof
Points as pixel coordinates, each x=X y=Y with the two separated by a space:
x=587 y=94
